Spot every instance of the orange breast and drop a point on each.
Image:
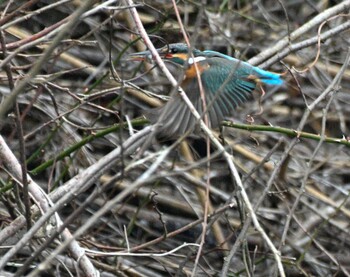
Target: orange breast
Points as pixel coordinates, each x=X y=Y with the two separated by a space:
x=191 y=70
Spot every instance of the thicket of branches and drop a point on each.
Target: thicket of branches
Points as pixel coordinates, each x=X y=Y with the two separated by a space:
x=87 y=189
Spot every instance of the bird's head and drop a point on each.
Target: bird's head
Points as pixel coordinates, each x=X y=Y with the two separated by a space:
x=177 y=53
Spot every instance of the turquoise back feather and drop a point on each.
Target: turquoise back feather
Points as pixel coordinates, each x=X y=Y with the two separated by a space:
x=266 y=77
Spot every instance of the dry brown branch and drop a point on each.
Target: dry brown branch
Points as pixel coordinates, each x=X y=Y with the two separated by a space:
x=40 y=197
x=266 y=195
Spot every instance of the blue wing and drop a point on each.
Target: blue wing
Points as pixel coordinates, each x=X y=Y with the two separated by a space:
x=265 y=77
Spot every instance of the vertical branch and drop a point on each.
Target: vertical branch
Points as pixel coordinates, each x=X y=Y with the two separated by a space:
x=8 y=101
x=215 y=141
x=20 y=137
x=333 y=86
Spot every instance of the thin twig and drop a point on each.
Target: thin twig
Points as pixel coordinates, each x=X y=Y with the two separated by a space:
x=286 y=131
x=315 y=21
x=333 y=87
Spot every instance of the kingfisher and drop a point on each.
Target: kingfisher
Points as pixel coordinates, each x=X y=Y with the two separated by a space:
x=227 y=83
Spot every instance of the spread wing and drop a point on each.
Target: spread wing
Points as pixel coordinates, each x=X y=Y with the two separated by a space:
x=226 y=86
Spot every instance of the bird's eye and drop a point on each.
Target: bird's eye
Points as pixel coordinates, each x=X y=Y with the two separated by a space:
x=173 y=50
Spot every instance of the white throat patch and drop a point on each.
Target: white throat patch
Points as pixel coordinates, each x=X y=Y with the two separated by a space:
x=196 y=60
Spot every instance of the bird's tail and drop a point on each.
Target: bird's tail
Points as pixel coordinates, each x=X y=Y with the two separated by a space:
x=267 y=77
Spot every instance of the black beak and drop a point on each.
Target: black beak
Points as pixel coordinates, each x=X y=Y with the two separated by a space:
x=147 y=55
x=141 y=56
